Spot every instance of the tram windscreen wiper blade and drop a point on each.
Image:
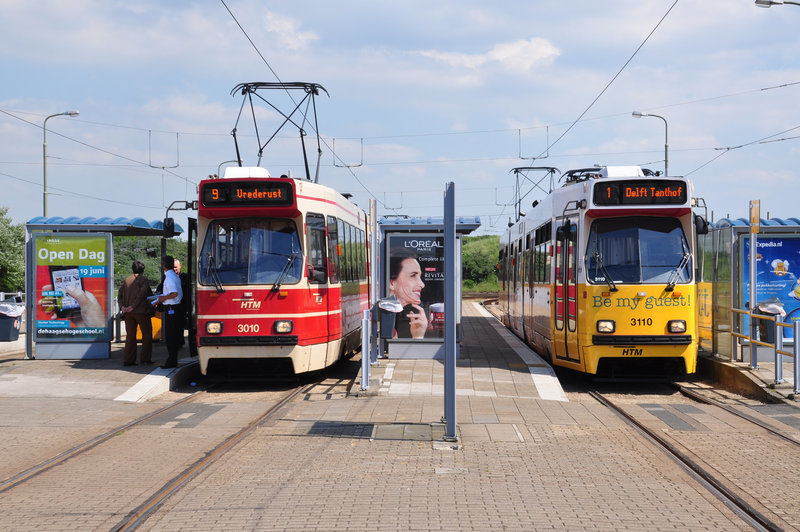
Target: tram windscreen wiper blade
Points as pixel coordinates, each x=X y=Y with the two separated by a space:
x=673 y=278
x=284 y=272
x=211 y=266
x=599 y=259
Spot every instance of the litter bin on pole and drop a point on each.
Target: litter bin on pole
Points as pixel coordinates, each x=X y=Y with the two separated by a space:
x=10 y=320
x=388 y=307
x=766 y=329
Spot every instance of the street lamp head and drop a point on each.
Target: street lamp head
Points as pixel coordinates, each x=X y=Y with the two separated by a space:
x=638 y=114
x=72 y=113
x=768 y=3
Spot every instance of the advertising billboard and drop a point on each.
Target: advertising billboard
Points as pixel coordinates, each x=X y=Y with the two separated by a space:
x=72 y=278
x=777 y=278
x=415 y=276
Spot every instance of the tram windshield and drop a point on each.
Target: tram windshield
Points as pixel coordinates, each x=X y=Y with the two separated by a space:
x=250 y=251
x=638 y=249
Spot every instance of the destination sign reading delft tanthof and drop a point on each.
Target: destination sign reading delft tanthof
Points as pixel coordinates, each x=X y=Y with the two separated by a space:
x=640 y=192
x=260 y=193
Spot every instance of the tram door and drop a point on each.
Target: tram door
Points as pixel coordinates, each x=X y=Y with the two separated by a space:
x=565 y=339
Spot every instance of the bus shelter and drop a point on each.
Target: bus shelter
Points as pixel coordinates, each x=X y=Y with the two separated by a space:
x=66 y=257
x=412 y=266
x=724 y=282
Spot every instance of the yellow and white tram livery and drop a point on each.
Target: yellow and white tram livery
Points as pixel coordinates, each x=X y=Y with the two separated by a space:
x=599 y=276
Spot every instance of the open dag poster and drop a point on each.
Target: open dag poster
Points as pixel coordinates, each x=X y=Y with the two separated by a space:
x=72 y=287
x=777 y=277
x=416 y=277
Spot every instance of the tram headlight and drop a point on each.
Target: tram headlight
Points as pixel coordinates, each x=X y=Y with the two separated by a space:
x=214 y=327
x=283 y=326
x=676 y=326
x=606 y=326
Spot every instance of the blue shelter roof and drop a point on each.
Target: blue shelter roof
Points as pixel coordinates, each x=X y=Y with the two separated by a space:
x=464 y=224
x=119 y=226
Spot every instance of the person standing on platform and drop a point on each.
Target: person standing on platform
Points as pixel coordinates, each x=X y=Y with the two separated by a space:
x=182 y=313
x=132 y=299
x=171 y=298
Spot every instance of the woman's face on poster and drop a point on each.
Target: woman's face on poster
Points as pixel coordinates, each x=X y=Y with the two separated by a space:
x=408 y=285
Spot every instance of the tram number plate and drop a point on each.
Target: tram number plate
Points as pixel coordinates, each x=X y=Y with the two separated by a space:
x=641 y=322
x=248 y=328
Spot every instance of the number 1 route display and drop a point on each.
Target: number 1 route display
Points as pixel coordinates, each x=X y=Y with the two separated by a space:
x=72 y=279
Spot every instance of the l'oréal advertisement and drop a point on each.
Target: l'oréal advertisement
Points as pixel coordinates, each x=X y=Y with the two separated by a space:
x=415 y=276
x=777 y=279
x=72 y=287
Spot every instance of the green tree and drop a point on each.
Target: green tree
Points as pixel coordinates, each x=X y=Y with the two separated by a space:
x=148 y=250
x=479 y=258
x=12 y=254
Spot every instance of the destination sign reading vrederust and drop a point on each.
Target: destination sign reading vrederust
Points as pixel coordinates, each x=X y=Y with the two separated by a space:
x=248 y=193
x=640 y=192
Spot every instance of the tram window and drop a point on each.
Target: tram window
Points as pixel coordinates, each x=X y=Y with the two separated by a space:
x=343 y=269
x=363 y=252
x=638 y=250
x=316 y=248
x=333 y=246
x=250 y=251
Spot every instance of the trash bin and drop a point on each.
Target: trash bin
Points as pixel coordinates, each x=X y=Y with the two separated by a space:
x=389 y=307
x=766 y=329
x=10 y=320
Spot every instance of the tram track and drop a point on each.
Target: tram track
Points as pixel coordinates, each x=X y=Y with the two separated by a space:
x=86 y=446
x=709 y=401
x=152 y=504
x=753 y=516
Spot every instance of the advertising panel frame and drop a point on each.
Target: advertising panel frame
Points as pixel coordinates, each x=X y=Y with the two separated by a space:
x=83 y=265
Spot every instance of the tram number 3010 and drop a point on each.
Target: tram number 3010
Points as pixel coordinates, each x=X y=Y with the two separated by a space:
x=641 y=322
x=248 y=328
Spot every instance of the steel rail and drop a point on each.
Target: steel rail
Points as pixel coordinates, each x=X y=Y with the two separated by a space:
x=738 y=505
x=707 y=400
x=147 y=508
x=31 y=472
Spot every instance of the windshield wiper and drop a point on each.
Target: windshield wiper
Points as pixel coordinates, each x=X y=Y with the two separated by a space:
x=609 y=280
x=676 y=273
x=284 y=272
x=214 y=273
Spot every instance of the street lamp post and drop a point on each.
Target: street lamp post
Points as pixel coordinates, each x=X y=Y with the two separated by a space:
x=44 y=156
x=770 y=3
x=639 y=114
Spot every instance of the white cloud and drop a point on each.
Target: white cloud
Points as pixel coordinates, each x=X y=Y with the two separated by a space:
x=518 y=55
x=286 y=32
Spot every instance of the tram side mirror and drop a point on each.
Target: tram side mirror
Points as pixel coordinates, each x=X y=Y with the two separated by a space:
x=700 y=225
x=169 y=227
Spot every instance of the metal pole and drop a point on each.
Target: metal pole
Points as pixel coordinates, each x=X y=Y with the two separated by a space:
x=755 y=218
x=777 y=356
x=44 y=156
x=373 y=271
x=796 y=357
x=366 y=342
x=450 y=303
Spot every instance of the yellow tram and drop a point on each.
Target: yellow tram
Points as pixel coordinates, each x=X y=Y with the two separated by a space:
x=599 y=276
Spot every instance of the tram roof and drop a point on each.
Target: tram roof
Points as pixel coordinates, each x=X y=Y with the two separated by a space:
x=119 y=226
x=464 y=224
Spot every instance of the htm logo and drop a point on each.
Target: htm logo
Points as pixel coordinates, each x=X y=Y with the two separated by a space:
x=251 y=305
x=631 y=352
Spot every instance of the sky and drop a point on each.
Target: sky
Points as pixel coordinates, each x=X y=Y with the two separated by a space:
x=419 y=94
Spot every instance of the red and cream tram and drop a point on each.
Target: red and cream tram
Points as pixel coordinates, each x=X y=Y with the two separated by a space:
x=281 y=271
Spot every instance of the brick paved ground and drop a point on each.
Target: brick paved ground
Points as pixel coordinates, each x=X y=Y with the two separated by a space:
x=358 y=462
